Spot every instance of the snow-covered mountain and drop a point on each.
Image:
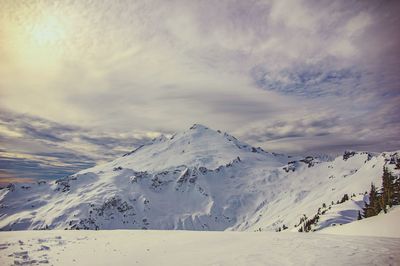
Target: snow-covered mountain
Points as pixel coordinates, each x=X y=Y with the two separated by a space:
x=200 y=179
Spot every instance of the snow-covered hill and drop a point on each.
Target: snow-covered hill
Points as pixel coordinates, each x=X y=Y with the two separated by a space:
x=382 y=225
x=200 y=179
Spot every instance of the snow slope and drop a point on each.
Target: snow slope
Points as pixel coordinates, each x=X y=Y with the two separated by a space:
x=383 y=225
x=137 y=247
x=325 y=183
x=199 y=179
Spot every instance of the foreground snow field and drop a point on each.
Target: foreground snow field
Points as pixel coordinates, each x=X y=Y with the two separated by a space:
x=134 y=247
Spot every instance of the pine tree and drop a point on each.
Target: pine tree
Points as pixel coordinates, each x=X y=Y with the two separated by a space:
x=382 y=203
x=396 y=191
x=374 y=206
x=344 y=198
x=376 y=202
x=387 y=189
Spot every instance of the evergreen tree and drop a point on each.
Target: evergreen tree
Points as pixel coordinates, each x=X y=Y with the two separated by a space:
x=344 y=198
x=382 y=203
x=389 y=195
x=374 y=206
x=396 y=191
x=366 y=210
x=388 y=187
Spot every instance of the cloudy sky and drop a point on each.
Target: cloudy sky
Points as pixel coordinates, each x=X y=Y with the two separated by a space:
x=84 y=81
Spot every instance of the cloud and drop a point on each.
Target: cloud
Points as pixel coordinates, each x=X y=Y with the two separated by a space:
x=327 y=132
x=7 y=178
x=33 y=147
x=40 y=168
x=309 y=80
x=306 y=127
x=292 y=76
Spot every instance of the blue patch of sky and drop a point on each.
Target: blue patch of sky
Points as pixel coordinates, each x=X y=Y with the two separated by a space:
x=25 y=168
x=309 y=81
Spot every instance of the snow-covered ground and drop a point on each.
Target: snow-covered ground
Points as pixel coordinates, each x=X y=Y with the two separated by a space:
x=136 y=247
x=387 y=225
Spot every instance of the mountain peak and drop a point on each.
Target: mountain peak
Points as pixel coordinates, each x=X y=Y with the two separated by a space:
x=198 y=127
x=199 y=146
x=160 y=138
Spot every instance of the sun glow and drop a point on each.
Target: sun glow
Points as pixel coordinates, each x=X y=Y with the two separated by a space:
x=37 y=42
x=48 y=31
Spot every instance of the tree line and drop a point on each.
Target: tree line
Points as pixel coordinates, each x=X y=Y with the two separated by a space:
x=384 y=198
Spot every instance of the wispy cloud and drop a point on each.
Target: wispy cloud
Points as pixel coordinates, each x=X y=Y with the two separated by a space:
x=309 y=80
x=7 y=178
x=33 y=147
x=292 y=76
